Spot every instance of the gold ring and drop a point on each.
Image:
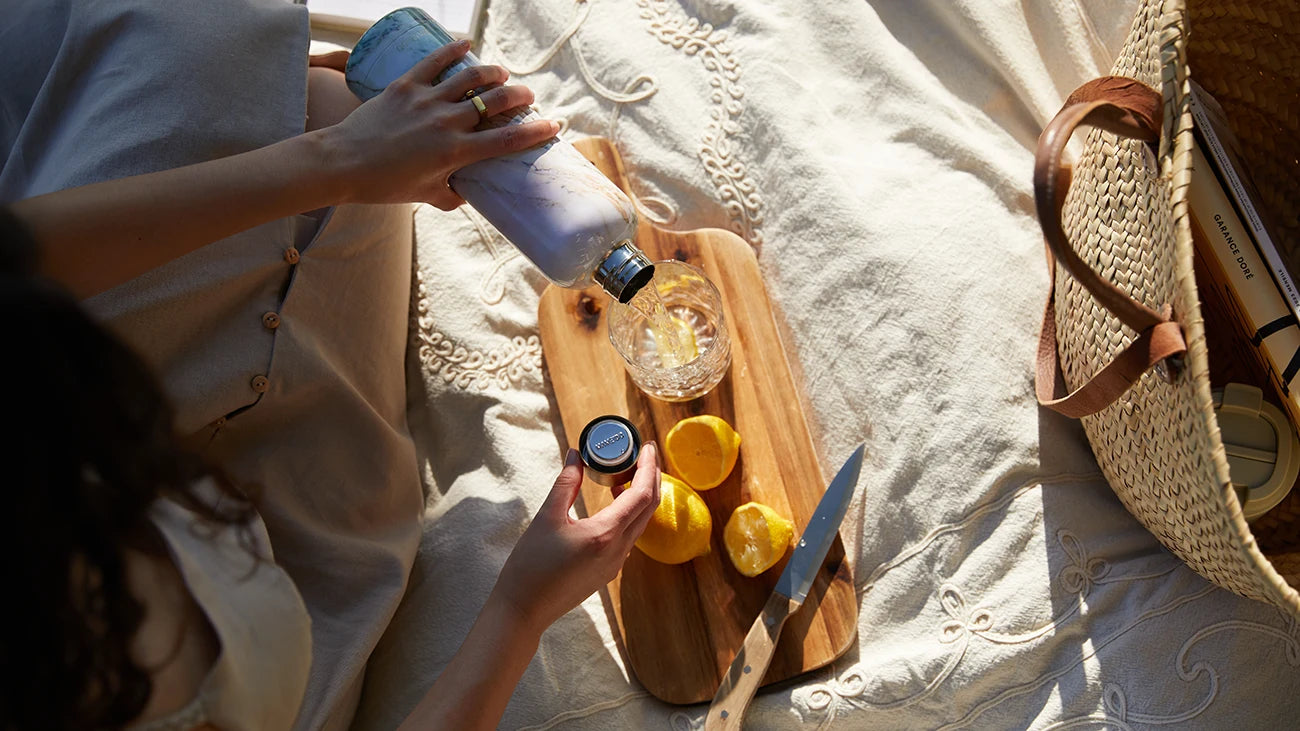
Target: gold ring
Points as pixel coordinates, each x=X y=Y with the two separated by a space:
x=472 y=95
x=480 y=106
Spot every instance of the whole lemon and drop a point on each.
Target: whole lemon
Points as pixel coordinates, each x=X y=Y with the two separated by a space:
x=702 y=450
x=680 y=528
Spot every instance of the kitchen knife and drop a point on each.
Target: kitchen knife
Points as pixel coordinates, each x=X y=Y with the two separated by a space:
x=747 y=670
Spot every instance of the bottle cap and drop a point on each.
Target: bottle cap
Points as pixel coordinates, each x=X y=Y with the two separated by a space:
x=609 y=446
x=624 y=271
x=1262 y=448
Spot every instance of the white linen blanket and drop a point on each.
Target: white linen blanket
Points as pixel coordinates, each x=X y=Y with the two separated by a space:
x=877 y=155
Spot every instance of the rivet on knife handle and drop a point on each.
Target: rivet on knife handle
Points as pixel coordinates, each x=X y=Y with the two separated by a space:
x=743 y=678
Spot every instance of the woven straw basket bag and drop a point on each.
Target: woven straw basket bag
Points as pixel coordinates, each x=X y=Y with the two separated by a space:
x=1124 y=315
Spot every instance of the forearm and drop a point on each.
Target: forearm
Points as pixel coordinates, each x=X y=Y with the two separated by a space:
x=97 y=236
x=474 y=688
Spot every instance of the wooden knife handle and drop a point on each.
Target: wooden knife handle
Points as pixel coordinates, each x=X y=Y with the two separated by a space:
x=747 y=670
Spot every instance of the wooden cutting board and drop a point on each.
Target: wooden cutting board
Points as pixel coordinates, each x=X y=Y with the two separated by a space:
x=681 y=625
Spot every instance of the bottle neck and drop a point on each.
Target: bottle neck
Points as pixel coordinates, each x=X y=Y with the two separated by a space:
x=624 y=271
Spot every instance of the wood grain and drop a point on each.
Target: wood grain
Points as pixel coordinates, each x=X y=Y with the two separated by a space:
x=681 y=625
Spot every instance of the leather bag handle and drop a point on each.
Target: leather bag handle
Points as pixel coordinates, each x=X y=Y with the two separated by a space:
x=1130 y=109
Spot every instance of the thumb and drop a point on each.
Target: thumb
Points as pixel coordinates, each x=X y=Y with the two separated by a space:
x=565 y=489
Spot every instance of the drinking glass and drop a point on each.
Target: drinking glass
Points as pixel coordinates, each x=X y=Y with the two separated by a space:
x=692 y=303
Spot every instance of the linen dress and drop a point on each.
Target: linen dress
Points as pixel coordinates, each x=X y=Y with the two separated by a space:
x=258 y=616
x=282 y=347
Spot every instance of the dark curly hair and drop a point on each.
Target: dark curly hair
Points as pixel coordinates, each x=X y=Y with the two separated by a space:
x=91 y=447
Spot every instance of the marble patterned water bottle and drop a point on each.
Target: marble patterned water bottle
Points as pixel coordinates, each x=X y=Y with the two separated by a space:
x=561 y=212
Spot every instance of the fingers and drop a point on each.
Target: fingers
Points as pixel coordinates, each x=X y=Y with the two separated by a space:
x=512 y=138
x=428 y=68
x=474 y=78
x=337 y=60
x=647 y=469
x=565 y=489
x=647 y=465
x=632 y=508
x=446 y=199
x=495 y=101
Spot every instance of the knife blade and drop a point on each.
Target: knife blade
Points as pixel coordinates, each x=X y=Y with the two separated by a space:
x=750 y=664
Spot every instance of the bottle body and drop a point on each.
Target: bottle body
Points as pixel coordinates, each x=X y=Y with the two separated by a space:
x=549 y=201
x=553 y=205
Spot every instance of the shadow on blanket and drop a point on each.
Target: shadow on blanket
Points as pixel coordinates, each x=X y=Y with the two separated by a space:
x=441 y=595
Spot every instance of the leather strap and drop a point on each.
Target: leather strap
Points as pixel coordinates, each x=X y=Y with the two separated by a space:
x=1130 y=109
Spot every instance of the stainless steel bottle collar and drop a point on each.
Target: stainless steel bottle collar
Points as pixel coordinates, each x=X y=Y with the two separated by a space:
x=624 y=271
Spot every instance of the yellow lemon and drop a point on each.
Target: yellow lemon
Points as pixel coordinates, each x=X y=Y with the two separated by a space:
x=756 y=537
x=702 y=450
x=680 y=528
x=674 y=341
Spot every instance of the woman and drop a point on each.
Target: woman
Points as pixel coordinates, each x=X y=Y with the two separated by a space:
x=179 y=181
x=149 y=592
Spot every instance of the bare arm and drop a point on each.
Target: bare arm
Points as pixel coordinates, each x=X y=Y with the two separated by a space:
x=97 y=236
x=399 y=147
x=558 y=562
x=474 y=688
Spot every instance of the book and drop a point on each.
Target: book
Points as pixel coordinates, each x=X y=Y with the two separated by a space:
x=1223 y=152
x=461 y=18
x=1240 y=288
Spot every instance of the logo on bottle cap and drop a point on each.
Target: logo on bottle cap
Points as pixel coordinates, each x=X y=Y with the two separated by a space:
x=609 y=447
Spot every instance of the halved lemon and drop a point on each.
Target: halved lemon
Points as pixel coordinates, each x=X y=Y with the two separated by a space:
x=702 y=450
x=680 y=528
x=756 y=537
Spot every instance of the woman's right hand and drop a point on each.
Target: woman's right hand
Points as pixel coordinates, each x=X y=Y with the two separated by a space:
x=561 y=560
x=402 y=145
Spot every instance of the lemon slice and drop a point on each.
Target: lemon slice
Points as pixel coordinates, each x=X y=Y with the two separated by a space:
x=674 y=341
x=680 y=528
x=702 y=450
x=756 y=537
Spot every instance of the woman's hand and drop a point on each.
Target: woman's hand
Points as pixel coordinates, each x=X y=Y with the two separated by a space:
x=402 y=145
x=396 y=148
x=560 y=561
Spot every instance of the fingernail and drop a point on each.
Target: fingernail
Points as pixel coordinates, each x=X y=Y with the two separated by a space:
x=571 y=457
x=463 y=43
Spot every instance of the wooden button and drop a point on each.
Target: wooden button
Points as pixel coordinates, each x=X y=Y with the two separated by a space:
x=270 y=321
x=260 y=384
x=291 y=255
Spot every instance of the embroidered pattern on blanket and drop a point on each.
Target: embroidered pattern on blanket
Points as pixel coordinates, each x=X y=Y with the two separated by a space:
x=1117 y=714
x=503 y=366
x=588 y=711
x=492 y=288
x=737 y=191
x=850 y=690
x=638 y=89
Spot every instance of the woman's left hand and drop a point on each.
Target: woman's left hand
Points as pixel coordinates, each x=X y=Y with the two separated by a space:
x=402 y=145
